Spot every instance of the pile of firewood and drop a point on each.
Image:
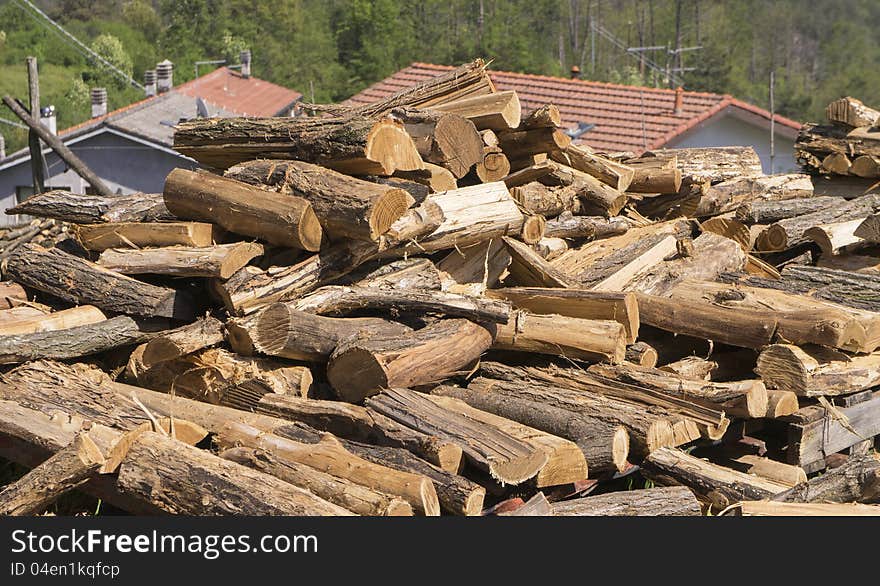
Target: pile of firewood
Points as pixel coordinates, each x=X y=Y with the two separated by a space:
x=437 y=304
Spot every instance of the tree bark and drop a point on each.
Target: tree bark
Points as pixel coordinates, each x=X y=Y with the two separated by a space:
x=673 y=501
x=612 y=173
x=815 y=371
x=734 y=193
x=790 y=232
x=530 y=270
x=537 y=198
x=858 y=480
x=220 y=261
x=769 y=212
x=642 y=354
x=202 y=333
x=359 y=368
x=521 y=143
x=433 y=179
x=95 y=209
x=591 y=227
x=714 y=164
x=79 y=281
x=443 y=138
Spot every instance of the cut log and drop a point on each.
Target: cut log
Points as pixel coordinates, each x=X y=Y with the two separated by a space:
x=489 y=138
x=781 y=404
x=717 y=485
x=95 y=209
x=831 y=238
x=647 y=179
x=359 y=368
x=567 y=225
x=281 y=219
x=494 y=165
x=220 y=261
x=470 y=215
x=184 y=340
x=360 y=424
x=497 y=111
x=79 y=281
x=550 y=248
x=471 y=270
x=692 y=368
x=851 y=112
x=533 y=229
x=866 y=166
x=339 y=299
x=869 y=229
x=329 y=455
x=642 y=354
x=69 y=318
x=672 y=501
x=853 y=263
x=345 y=206
x=577 y=303
x=181 y=479
x=740 y=399
x=434 y=177
x=815 y=371
x=858 y=480
x=715 y=164
x=566 y=463
x=99 y=237
x=526 y=171
x=774 y=509
x=546 y=116
x=67 y=469
x=596 y=197
x=537 y=198
x=729 y=195
x=411 y=273
x=788 y=233
x=446 y=138
x=457 y=495
x=617 y=175
x=11 y=294
x=23 y=312
x=522 y=143
x=505 y=458
x=604 y=444
x=768 y=212
x=730 y=228
x=772 y=470
x=836 y=164
x=570 y=337
x=530 y=270
x=74 y=342
x=348 y=495
x=354 y=145
x=283 y=331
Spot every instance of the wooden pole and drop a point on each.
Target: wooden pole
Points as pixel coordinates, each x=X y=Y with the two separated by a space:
x=34 y=146
x=59 y=147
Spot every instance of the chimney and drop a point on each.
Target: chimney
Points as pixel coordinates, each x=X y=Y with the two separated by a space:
x=150 y=82
x=164 y=72
x=679 y=101
x=48 y=119
x=99 y=101
x=575 y=72
x=245 y=58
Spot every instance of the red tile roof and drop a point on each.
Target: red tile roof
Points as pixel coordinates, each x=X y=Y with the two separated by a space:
x=626 y=118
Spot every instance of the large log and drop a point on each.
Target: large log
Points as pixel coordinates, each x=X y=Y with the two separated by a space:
x=521 y=143
x=184 y=340
x=715 y=164
x=505 y=458
x=359 y=368
x=571 y=337
x=181 y=479
x=858 y=480
x=329 y=455
x=604 y=444
x=815 y=371
x=95 y=209
x=673 y=501
x=578 y=303
x=567 y=225
x=408 y=273
x=74 y=342
x=495 y=111
x=537 y=198
x=358 y=423
x=768 y=212
x=281 y=219
x=774 y=509
x=79 y=281
x=347 y=207
x=67 y=469
x=612 y=173
x=348 y=495
x=446 y=138
x=790 y=232
x=281 y=330
x=851 y=112
x=220 y=261
x=83 y=315
x=354 y=145
x=833 y=238
x=566 y=464
x=729 y=195
x=100 y=237
x=714 y=484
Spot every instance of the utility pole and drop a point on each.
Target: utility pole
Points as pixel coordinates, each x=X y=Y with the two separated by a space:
x=36 y=149
x=772 y=123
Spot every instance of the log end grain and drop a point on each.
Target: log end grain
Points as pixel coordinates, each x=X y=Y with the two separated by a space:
x=356 y=374
x=533 y=229
x=387 y=209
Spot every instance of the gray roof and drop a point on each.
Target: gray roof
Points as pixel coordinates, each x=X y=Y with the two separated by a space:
x=155 y=119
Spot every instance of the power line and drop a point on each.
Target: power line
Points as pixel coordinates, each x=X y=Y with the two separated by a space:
x=12 y=123
x=74 y=42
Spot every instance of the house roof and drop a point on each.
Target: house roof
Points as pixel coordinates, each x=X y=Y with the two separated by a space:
x=625 y=118
x=225 y=92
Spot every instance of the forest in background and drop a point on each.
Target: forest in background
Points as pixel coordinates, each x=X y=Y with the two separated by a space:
x=331 y=49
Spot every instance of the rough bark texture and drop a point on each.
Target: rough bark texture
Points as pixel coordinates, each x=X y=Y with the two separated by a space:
x=184 y=340
x=768 y=212
x=537 y=198
x=567 y=225
x=95 y=209
x=788 y=233
x=443 y=138
x=858 y=480
x=220 y=261
x=673 y=501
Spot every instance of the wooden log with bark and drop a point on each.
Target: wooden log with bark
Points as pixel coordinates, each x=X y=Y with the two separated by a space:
x=11 y=295
x=75 y=280
x=530 y=270
x=493 y=166
x=95 y=209
x=184 y=340
x=537 y=198
x=494 y=111
x=100 y=237
x=220 y=261
x=507 y=459
x=550 y=248
x=567 y=225
x=788 y=233
x=774 y=509
x=281 y=219
x=715 y=164
x=604 y=444
x=471 y=270
x=672 y=501
x=642 y=354
x=522 y=143
x=445 y=138
x=869 y=229
x=833 y=238
x=359 y=367
x=768 y=212
x=39 y=321
x=352 y=144
x=811 y=371
x=851 y=112
x=857 y=480
x=617 y=175
x=432 y=179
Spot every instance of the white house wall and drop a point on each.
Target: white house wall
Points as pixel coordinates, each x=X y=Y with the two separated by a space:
x=731 y=131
